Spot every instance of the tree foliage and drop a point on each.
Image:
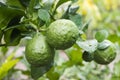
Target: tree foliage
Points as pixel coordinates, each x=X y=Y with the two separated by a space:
x=22 y=19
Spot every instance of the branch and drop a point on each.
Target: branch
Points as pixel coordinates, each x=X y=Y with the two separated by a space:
x=2 y=45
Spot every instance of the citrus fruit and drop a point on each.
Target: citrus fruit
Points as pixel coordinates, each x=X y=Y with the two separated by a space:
x=62 y=34
x=87 y=56
x=105 y=56
x=38 y=52
x=101 y=35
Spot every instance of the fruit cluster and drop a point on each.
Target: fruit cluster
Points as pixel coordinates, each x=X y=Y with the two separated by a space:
x=60 y=35
x=40 y=50
x=104 y=54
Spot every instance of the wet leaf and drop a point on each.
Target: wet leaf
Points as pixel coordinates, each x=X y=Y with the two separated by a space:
x=77 y=19
x=44 y=15
x=88 y=45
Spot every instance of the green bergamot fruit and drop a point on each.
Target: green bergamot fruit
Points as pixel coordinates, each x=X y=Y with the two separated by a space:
x=87 y=56
x=62 y=34
x=105 y=56
x=38 y=52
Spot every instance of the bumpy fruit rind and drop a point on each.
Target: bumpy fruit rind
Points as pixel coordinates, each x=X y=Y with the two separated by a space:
x=105 y=56
x=62 y=34
x=87 y=56
x=38 y=52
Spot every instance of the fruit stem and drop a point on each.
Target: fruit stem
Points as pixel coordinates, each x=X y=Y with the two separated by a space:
x=12 y=27
x=33 y=25
x=42 y=30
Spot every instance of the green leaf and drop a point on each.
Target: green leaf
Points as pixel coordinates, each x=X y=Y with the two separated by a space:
x=104 y=44
x=25 y=3
x=115 y=78
x=117 y=69
x=88 y=45
x=52 y=75
x=85 y=26
x=5 y=17
x=61 y=2
x=31 y=6
x=2 y=4
x=55 y=72
x=4 y=50
x=44 y=15
x=26 y=72
x=1 y=35
x=74 y=1
x=75 y=54
x=73 y=9
x=37 y=72
x=66 y=13
x=47 y=4
x=14 y=21
x=77 y=19
x=14 y=3
x=114 y=38
x=10 y=57
x=101 y=35
x=6 y=67
x=12 y=37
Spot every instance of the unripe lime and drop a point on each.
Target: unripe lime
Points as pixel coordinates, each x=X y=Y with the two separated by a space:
x=62 y=34
x=38 y=52
x=105 y=56
x=87 y=56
